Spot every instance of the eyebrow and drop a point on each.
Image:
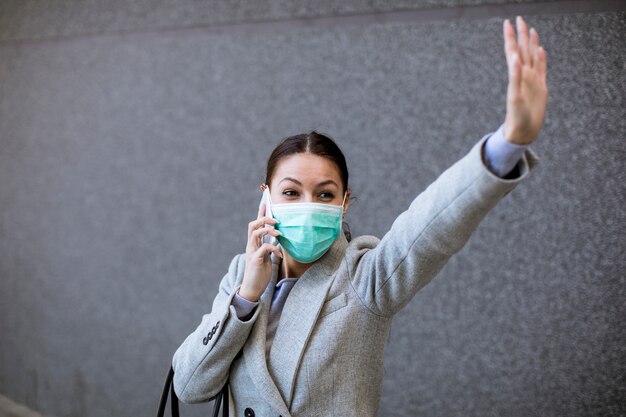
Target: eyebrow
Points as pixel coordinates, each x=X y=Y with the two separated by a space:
x=299 y=183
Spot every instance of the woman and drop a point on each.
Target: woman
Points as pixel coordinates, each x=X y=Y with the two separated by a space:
x=298 y=327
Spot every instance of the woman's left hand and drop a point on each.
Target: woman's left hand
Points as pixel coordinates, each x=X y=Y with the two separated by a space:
x=527 y=93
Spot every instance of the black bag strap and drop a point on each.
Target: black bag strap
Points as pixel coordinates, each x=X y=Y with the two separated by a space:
x=168 y=388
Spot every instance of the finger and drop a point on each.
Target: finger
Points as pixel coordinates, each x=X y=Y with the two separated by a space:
x=522 y=40
x=255 y=224
x=259 y=233
x=266 y=249
x=542 y=58
x=255 y=239
x=515 y=70
x=257 y=236
x=534 y=44
x=510 y=44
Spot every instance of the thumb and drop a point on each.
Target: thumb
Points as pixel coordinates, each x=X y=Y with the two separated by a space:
x=514 y=76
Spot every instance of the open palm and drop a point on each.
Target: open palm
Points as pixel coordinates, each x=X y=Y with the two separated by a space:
x=527 y=92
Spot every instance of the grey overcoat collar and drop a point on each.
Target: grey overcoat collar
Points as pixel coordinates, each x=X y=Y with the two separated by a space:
x=305 y=300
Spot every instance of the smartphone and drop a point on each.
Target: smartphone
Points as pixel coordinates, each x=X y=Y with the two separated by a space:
x=267 y=238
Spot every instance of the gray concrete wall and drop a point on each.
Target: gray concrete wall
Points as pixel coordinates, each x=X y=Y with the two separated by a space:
x=133 y=139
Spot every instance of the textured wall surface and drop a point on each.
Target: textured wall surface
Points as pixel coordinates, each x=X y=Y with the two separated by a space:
x=130 y=166
x=32 y=19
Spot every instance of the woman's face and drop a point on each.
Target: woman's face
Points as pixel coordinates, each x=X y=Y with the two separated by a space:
x=305 y=177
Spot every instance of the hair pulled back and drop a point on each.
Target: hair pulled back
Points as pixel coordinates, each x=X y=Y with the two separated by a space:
x=314 y=143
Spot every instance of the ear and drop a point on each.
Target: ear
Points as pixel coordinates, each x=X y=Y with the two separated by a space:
x=262 y=187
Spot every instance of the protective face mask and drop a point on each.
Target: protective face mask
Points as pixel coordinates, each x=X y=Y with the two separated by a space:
x=308 y=229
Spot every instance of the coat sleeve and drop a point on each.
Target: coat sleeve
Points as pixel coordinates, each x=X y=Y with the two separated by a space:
x=201 y=364
x=437 y=224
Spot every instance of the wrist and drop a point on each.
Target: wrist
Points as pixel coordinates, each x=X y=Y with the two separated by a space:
x=517 y=136
x=248 y=294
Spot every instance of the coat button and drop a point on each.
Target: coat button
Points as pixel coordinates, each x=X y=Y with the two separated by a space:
x=248 y=412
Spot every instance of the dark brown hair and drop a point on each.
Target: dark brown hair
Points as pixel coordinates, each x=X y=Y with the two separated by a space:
x=314 y=143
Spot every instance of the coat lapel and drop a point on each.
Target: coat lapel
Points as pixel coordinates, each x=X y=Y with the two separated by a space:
x=275 y=383
x=254 y=349
x=299 y=316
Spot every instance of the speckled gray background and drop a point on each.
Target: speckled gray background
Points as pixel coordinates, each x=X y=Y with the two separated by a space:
x=133 y=138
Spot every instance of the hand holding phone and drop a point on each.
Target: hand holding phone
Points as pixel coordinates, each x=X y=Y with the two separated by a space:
x=258 y=269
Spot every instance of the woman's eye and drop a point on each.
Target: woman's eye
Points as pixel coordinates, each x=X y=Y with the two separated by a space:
x=325 y=196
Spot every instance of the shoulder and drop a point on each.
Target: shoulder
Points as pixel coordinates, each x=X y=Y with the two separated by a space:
x=359 y=246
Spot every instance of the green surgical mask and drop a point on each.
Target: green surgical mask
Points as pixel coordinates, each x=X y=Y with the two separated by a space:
x=308 y=229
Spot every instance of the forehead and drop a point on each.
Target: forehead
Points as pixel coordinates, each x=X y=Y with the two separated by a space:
x=307 y=168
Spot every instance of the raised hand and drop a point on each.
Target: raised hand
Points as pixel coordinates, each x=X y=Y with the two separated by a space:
x=527 y=93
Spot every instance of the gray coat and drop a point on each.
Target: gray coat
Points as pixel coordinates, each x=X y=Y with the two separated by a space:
x=327 y=354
